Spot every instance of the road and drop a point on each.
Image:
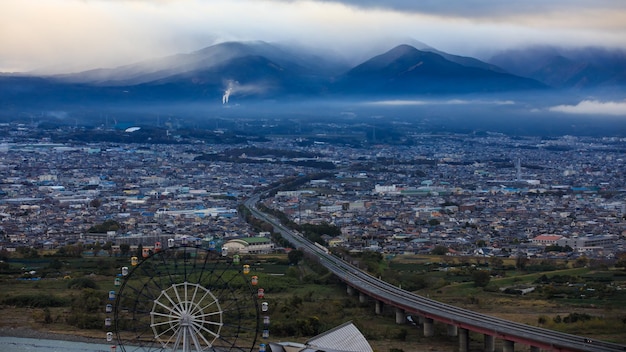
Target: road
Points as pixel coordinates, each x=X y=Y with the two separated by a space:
x=414 y=304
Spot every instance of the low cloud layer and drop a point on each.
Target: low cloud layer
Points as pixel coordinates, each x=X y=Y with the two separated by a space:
x=594 y=107
x=404 y=102
x=62 y=35
x=488 y=8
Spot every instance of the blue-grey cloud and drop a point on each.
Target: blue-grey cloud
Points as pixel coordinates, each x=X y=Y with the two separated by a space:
x=61 y=35
x=486 y=8
x=405 y=102
x=593 y=107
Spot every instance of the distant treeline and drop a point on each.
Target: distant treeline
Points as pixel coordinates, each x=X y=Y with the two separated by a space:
x=252 y=155
x=147 y=135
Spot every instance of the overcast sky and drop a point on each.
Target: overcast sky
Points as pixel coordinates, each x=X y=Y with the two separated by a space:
x=62 y=35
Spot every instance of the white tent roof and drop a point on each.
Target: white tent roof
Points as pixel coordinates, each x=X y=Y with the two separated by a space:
x=343 y=338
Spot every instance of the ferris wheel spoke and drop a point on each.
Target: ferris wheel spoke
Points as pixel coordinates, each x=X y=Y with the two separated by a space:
x=229 y=279
x=203 y=327
x=204 y=315
x=168 y=273
x=178 y=299
x=171 y=308
x=179 y=337
x=152 y=277
x=231 y=306
x=198 y=332
x=146 y=293
x=208 y=305
x=154 y=287
x=174 y=338
x=210 y=272
x=234 y=326
x=176 y=333
x=194 y=338
x=226 y=341
x=187 y=299
x=171 y=300
x=198 y=308
x=173 y=329
x=226 y=291
x=193 y=297
x=190 y=302
x=139 y=292
x=203 y=269
x=141 y=334
x=173 y=318
x=186 y=292
x=142 y=300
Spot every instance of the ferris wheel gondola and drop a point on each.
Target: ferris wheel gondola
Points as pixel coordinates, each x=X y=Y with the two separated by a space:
x=186 y=298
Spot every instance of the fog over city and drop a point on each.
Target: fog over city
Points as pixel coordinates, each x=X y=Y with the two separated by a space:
x=480 y=63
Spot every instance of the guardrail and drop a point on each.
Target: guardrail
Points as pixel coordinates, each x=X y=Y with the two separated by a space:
x=416 y=304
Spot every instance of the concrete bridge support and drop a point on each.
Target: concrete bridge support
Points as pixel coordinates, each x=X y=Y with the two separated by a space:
x=508 y=346
x=362 y=297
x=463 y=340
x=400 y=317
x=490 y=343
x=379 y=307
x=350 y=290
x=453 y=330
x=429 y=327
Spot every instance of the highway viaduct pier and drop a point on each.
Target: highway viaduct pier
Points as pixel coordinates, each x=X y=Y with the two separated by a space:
x=454 y=329
x=460 y=322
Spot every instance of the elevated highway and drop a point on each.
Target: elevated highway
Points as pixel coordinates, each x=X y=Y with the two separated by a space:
x=459 y=321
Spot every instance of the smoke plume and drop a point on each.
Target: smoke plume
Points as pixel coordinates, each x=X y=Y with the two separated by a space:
x=229 y=89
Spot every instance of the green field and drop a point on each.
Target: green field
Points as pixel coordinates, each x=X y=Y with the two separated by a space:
x=68 y=295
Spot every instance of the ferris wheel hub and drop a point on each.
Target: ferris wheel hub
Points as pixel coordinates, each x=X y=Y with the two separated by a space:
x=187 y=299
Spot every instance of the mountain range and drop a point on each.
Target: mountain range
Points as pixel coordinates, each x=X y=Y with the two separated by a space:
x=566 y=68
x=260 y=70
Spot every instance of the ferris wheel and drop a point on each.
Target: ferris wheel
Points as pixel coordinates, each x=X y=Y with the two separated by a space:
x=186 y=298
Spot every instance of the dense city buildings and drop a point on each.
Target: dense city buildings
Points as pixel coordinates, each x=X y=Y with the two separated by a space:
x=485 y=194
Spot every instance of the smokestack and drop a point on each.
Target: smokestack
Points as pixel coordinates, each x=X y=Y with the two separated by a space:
x=226 y=95
x=227 y=92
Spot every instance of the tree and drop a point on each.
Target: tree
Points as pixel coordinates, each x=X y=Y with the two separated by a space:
x=82 y=282
x=433 y=222
x=372 y=261
x=496 y=262
x=47 y=316
x=108 y=225
x=108 y=246
x=439 y=250
x=520 y=262
x=621 y=261
x=295 y=256
x=580 y=262
x=481 y=278
x=71 y=250
x=124 y=249
x=96 y=248
x=55 y=264
x=28 y=252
